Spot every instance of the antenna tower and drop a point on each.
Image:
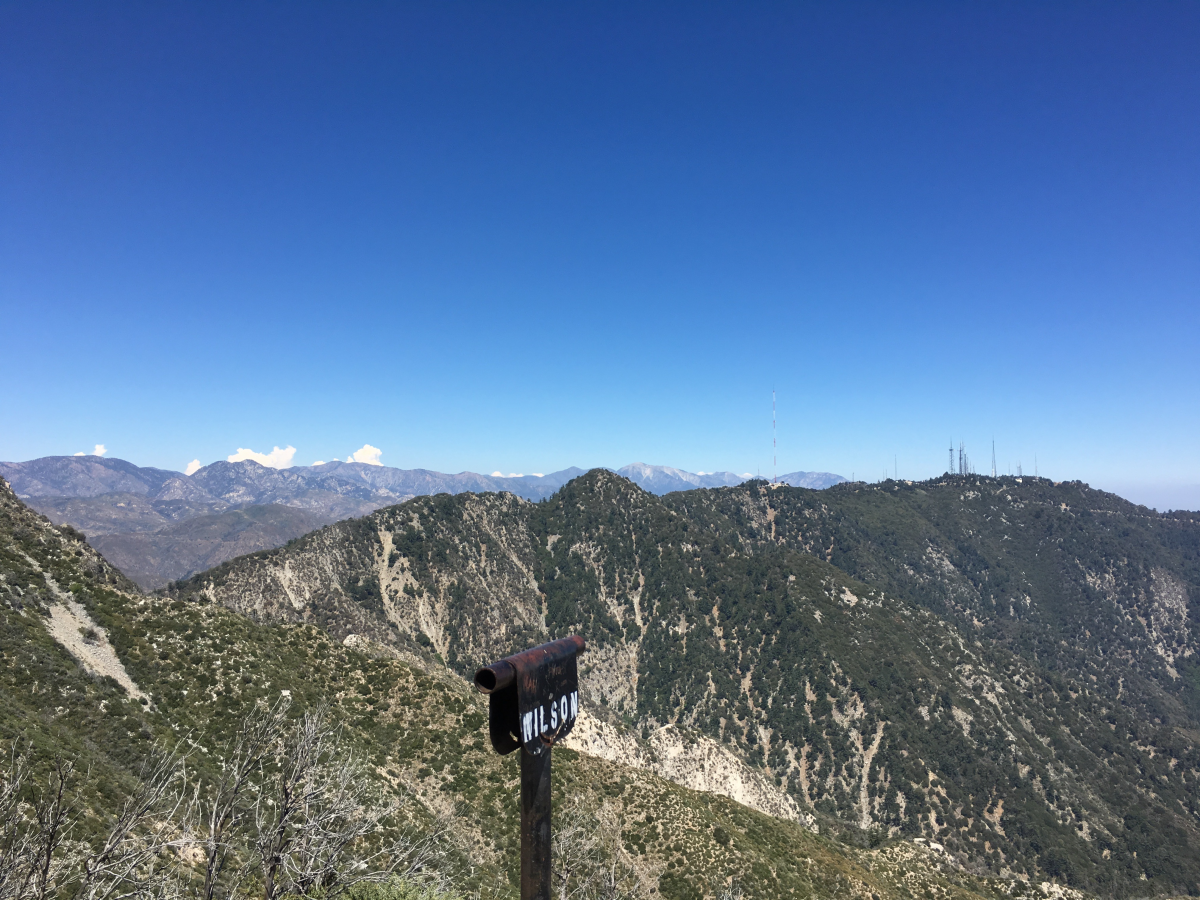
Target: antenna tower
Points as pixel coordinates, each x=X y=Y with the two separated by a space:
x=774 y=445
x=993 y=457
x=950 y=465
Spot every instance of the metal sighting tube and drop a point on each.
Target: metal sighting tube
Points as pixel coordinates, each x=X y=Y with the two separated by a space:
x=535 y=826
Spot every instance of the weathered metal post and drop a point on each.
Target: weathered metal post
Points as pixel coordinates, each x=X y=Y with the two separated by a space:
x=535 y=826
x=533 y=702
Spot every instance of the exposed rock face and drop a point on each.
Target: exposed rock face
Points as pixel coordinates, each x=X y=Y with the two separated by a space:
x=1167 y=623
x=914 y=697
x=692 y=760
x=86 y=640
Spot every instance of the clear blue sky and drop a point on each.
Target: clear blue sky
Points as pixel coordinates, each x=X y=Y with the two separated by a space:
x=527 y=236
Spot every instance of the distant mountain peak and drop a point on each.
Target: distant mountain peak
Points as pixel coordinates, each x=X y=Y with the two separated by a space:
x=666 y=479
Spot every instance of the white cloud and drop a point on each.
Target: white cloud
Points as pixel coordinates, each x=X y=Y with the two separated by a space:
x=366 y=454
x=747 y=475
x=99 y=451
x=81 y=453
x=538 y=475
x=193 y=467
x=319 y=462
x=498 y=474
x=276 y=459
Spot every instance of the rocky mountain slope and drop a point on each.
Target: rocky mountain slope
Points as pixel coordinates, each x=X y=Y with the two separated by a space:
x=93 y=672
x=1006 y=667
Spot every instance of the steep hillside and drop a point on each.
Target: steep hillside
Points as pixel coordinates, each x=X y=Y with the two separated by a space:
x=93 y=672
x=1070 y=578
x=842 y=642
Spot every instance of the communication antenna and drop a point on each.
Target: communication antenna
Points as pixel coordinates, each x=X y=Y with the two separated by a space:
x=950 y=465
x=1035 y=469
x=993 y=457
x=774 y=445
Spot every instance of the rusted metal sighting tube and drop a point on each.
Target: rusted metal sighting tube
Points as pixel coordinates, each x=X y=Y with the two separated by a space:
x=500 y=675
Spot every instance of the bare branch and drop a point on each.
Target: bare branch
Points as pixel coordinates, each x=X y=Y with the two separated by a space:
x=319 y=823
x=135 y=859
x=256 y=740
x=18 y=847
x=587 y=858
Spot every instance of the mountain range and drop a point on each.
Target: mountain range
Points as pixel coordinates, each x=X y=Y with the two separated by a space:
x=1006 y=667
x=205 y=518
x=97 y=680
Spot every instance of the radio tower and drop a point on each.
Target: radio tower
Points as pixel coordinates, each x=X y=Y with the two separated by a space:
x=993 y=457
x=950 y=466
x=774 y=446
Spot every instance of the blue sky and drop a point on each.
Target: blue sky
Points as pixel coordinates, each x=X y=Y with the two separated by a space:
x=528 y=236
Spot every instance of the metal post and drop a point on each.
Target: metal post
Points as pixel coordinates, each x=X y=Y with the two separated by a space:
x=533 y=702
x=535 y=826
